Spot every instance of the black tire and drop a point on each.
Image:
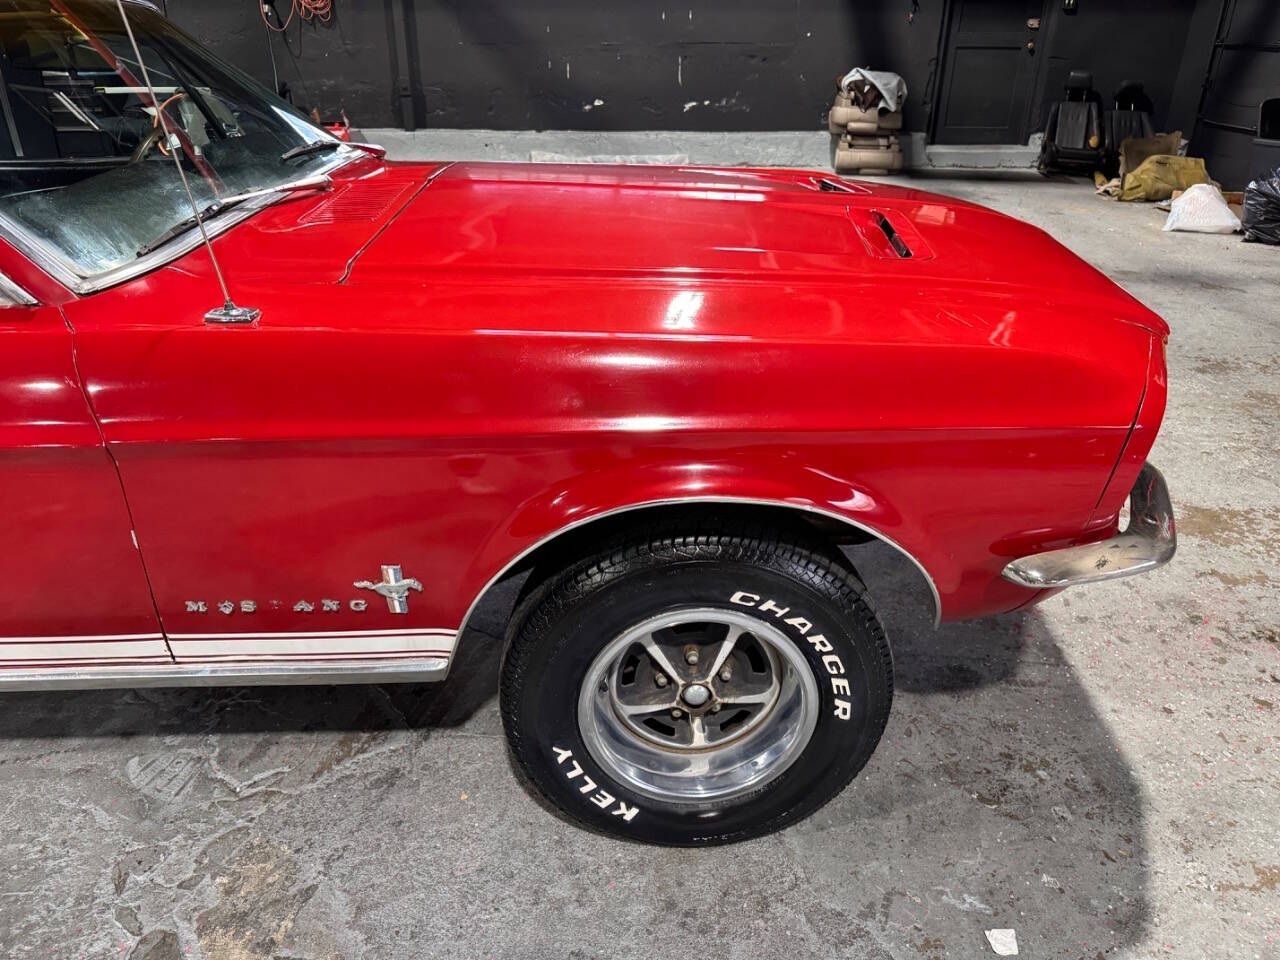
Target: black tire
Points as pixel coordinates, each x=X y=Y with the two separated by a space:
x=563 y=624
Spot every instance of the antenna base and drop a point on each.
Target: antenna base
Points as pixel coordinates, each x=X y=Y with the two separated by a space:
x=230 y=313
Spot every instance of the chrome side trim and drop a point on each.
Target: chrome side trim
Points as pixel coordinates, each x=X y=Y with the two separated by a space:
x=424 y=632
x=1148 y=542
x=407 y=670
x=679 y=501
x=16 y=296
x=358 y=643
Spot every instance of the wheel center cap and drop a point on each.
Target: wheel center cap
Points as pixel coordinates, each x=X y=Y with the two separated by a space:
x=695 y=695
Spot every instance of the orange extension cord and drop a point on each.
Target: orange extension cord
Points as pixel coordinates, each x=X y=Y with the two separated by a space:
x=320 y=10
x=155 y=119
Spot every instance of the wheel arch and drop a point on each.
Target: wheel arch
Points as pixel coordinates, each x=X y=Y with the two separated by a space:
x=556 y=549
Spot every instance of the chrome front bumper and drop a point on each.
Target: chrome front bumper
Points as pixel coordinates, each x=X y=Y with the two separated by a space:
x=1148 y=542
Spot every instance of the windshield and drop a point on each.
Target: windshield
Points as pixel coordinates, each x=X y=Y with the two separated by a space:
x=86 y=173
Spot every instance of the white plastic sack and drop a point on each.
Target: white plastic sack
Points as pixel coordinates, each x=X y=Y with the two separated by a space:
x=1202 y=209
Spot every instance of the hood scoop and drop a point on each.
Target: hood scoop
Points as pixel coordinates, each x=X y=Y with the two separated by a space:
x=828 y=185
x=888 y=235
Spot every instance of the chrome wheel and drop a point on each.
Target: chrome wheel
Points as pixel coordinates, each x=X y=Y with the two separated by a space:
x=698 y=705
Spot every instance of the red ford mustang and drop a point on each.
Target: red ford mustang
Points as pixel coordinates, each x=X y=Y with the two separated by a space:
x=664 y=397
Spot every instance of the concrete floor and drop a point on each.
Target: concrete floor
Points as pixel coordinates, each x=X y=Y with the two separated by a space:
x=1100 y=774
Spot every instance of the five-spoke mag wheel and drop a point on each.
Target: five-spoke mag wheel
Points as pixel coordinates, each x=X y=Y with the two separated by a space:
x=696 y=705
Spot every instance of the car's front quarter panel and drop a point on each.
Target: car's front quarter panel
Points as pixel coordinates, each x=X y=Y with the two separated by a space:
x=449 y=424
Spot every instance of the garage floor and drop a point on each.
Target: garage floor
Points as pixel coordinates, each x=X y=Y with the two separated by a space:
x=1100 y=774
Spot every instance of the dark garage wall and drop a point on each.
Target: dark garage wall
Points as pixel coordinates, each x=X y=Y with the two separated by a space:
x=704 y=65
x=1243 y=70
x=540 y=64
x=1119 y=41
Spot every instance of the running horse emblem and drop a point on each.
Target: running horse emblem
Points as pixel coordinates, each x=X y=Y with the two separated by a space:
x=393 y=588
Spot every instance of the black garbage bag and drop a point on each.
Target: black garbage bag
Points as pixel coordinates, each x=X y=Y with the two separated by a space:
x=1261 y=220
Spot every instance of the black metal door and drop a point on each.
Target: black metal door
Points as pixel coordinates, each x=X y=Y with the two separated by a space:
x=990 y=71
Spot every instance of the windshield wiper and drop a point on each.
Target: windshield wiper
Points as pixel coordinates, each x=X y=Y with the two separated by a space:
x=322 y=182
x=305 y=149
x=181 y=227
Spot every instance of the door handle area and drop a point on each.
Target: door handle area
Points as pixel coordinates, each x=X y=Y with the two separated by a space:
x=1031 y=46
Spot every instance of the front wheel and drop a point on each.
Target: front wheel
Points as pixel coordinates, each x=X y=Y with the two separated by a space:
x=697 y=686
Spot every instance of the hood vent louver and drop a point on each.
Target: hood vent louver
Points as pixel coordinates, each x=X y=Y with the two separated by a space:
x=899 y=245
x=835 y=185
x=887 y=234
x=361 y=201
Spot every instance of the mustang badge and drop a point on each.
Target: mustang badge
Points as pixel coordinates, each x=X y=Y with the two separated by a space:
x=392 y=587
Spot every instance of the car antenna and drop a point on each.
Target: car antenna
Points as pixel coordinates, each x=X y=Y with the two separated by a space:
x=228 y=312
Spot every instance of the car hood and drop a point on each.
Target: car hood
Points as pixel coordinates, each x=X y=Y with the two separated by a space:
x=546 y=221
x=394 y=228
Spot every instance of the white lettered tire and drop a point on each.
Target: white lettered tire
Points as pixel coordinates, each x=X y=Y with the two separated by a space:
x=697 y=685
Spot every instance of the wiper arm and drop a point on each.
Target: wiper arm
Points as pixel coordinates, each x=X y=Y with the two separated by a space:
x=322 y=182
x=305 y=149
x=181 y=227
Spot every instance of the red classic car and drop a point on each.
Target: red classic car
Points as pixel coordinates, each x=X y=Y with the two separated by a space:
x=664 y=397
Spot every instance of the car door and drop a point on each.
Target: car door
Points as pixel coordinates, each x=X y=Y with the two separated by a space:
x=73 y=591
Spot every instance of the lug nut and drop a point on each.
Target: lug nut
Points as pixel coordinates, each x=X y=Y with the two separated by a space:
x=676 y=714
x=715 y=708
x=660 y=679
x=691 y=655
